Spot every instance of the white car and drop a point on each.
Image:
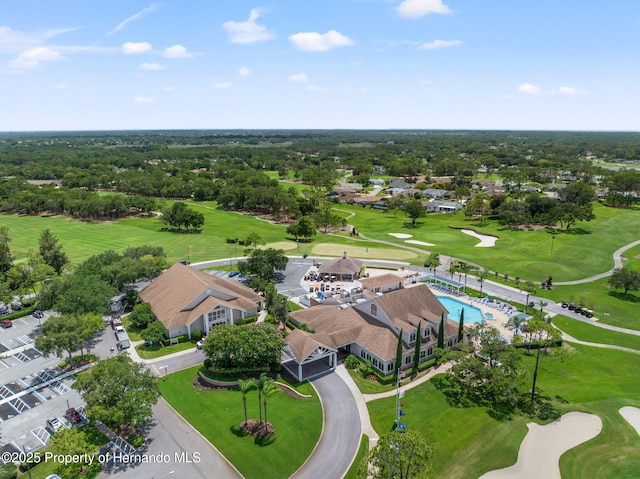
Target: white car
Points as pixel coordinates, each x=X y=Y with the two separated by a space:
x=200 y=344
x=54 y=424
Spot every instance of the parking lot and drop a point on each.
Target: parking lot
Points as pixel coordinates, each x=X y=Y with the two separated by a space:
x=32 y=388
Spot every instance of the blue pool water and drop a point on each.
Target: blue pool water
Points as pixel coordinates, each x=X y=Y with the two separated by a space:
x=472 y=315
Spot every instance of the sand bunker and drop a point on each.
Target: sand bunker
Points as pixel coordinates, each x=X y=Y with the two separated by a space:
x=632 y=415
x=486 y=241
x=401 y=235
x=421 y=243
x=542 y=447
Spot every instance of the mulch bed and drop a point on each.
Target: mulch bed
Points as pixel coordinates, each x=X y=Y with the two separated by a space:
x=256 y=428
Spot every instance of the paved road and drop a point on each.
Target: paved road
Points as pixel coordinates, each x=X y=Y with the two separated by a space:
x=176 y=449
x=341 y=432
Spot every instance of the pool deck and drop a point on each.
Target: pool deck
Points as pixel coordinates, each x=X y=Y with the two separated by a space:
x=499 y=317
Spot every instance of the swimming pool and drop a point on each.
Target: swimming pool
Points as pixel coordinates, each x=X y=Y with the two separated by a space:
x=472 y=315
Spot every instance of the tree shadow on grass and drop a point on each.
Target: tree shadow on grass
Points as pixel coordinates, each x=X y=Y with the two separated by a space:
x=264 y=441
x=237 y=431
x=631 y=298
x=543 y=407
x=411 y=226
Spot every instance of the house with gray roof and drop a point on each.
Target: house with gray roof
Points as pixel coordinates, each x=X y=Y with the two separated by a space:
x=434 y=193
x=439 y=206
x=184 y=300
x=369 y=328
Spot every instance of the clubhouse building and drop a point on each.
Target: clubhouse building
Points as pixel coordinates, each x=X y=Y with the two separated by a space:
x=368 y=326
x=185 y=300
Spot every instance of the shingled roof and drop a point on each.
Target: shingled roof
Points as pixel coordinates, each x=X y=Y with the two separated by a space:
x=173 y=293
x=342 y=266
x=337 y=327
x=381 y=280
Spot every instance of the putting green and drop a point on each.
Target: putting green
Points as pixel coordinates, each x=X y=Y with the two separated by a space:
x=327 y=249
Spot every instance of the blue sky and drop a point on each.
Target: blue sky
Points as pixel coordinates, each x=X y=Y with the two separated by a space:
x=433 y=64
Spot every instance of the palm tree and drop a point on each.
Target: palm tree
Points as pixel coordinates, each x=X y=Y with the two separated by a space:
x=262 y=380
x=268 y=389
x=481 y=277
x=246 y=385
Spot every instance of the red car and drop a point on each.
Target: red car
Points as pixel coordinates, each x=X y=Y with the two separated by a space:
x=6 y=323
x=73 y=416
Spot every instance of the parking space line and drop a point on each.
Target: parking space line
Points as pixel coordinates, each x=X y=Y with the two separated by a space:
x=42 y=435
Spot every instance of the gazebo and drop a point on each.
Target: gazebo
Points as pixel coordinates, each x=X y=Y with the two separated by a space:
x=344 y=269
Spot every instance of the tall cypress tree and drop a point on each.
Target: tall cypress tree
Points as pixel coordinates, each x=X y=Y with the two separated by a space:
x=416 y=354
x=398 y=365
x=441 y=333
x=461 y=326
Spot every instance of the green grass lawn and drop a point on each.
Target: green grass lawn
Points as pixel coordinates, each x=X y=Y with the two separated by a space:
x=469 y=442
x=594 y=334
x=610 y=306
x=151 y=352
x=217 y=414
x=519 y=253
x=367 y=386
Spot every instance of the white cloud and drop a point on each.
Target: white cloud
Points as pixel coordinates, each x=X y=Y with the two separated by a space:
x=177 y=51
x=420 y=8
x=30 y=59
x=169 y=89
x=222 y=86
x=319 y=42
x=133 y=18
x=143 y=99
x=152 y=66
x=529 y=89
x=244 y=72
x=299 y=78
x=61 y=86
x=568 y=90
x=134 y=48
x=249 y=31
x=438 y=44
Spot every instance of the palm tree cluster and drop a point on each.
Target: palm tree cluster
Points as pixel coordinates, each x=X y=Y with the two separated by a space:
x=266 y=387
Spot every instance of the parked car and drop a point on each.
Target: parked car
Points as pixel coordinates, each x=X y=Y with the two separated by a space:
x=73 y=416
x=16 y=306
x=6 y=323
x=4 y=310
x=38 y=314
x=200 y=344
x=54 y=424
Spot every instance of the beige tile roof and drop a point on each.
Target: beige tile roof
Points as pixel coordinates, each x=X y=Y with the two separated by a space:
x=172 y=291
x=381 y=280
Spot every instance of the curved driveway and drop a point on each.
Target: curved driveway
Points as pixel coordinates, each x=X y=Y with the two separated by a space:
x=341 y=432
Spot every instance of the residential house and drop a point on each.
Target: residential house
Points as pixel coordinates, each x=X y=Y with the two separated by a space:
x=438 y=206
x=186 y=300
x=434 y=193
